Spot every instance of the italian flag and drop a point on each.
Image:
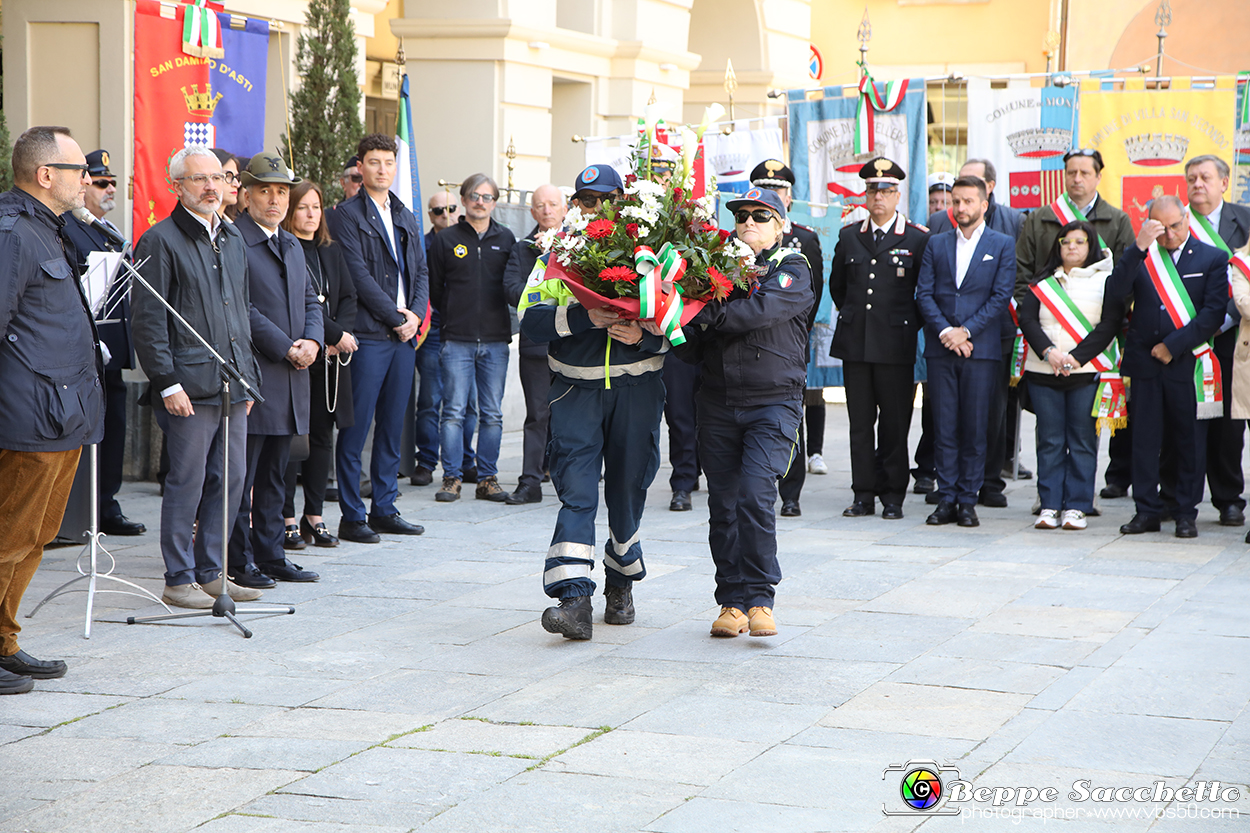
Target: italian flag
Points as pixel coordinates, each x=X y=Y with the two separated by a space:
x=407 y=185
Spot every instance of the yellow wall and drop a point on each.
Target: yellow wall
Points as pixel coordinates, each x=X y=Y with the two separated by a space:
x=931 y=37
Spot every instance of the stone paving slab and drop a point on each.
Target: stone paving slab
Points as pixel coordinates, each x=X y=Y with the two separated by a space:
x=937 y=711
x=477 y=735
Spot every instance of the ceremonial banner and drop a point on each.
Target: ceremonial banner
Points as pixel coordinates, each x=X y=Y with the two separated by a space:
x=822 y=156
x=1024 y=131
x=731 y=157
x=1146 y=135
x=183 y=100
x=1241 y=167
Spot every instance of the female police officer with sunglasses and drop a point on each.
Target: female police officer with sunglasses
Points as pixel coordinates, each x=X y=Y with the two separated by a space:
x=753 y=351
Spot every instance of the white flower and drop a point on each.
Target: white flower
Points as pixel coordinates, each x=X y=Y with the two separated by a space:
x=575 y=220
x=645 y=188
x=740 y=250
x=643 y=231
x=705 y=207
x=548 y=238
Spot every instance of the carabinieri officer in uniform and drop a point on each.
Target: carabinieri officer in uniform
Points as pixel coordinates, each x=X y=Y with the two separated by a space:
x=873 y=284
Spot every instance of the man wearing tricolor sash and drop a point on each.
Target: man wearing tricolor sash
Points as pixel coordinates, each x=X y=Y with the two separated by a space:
x=1225 y=226
x=1180 y=289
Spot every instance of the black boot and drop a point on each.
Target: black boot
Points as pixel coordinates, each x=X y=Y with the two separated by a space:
x=620 y=609
x=571 y=618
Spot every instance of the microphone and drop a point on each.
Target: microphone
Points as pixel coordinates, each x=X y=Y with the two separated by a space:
x=92 y=220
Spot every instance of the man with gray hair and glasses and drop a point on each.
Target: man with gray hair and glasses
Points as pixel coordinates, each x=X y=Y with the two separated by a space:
x=197 y=263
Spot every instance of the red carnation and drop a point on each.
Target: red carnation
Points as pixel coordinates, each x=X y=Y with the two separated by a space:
x=724 y=234
x=599 y=229
x=618 y=273
x=708 y=227
x=678 y=194
x=631 y=229
x=721 y=285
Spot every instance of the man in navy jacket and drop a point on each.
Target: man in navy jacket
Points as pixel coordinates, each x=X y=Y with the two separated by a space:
x=382 y=246
x=966 y=278
x=1159 y=359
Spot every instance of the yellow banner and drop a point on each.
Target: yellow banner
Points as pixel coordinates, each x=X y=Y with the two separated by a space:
x=1145 y=136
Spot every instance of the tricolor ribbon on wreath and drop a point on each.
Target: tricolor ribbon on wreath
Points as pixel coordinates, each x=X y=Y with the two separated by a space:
x=659 y=295
x=1019 y=347
x=1111 y=400
x=869 y=101
x=1167 y=283
x=201 y=30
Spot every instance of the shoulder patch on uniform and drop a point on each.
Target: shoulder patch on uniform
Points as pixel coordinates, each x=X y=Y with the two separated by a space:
x=534 y=297
x=461 y=250
x=785 y=279
x=917 y=225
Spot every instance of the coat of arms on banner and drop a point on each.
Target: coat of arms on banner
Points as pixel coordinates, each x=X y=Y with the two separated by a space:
x=1024 y=131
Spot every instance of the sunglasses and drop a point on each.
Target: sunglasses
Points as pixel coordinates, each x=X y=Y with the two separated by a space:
x=356 y=178
x=104 y=183
x=438 y=211
x=593 y=201
x=482 y=198
x=1090 y=152
x=759 y=215
x=83 y=170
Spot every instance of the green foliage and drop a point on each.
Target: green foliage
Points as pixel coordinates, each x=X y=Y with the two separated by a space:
x=6 y=145
x=325 y=121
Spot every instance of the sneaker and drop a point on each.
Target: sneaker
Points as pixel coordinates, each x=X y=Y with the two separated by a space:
x=731 y=622
x=234 y=591
x=449 y=491
x=1047 y=519
x=488 y=488
x=1074 y=519
x=816 y=465
x=187 y=595
x=761 y=619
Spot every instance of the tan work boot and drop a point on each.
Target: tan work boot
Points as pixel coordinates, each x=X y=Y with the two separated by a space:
x=234 y=591
x=187 y=595
x=731 y=622
x=762 y=623
x=449 y=491
x=488 y=488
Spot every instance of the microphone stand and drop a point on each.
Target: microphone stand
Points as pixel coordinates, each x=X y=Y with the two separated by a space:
x=223 y=606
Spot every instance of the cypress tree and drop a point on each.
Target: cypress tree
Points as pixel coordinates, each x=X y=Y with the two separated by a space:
x=325 y=120
x=6 y=142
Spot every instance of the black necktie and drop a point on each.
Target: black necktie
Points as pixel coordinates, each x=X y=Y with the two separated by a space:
x=878 y=235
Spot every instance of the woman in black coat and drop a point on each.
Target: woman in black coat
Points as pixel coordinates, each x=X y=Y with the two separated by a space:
x=330 y=374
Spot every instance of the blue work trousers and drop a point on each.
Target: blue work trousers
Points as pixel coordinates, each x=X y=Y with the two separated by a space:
x=617 y=431
x=744 y=451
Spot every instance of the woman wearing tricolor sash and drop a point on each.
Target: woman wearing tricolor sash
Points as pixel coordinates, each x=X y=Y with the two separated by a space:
x=1070 y=325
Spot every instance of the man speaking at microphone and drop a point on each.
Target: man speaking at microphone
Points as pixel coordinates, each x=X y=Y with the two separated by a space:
x=50 y=369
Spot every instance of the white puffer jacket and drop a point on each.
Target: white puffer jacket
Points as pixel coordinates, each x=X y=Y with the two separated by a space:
x=1085 y=286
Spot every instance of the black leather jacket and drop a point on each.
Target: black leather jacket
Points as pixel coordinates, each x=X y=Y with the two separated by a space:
x=50 y=361
x=753 y=346
x=206 y=281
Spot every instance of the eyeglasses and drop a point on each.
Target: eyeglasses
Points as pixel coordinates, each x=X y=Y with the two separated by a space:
x=482 y=198
x=200 y=180
x=104 y=183
x=1073 y=242
x=872 y=192
x=232 y=178
x=83 y=169
x=592 y=202
x=437 y=211
x=356 y=178
x=759 y=215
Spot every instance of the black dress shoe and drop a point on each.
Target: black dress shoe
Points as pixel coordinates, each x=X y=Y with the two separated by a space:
x=994 y=500
x=524 y=494
x=25 y=665
x=332 y=494
x=892 y=511
x=421 y=477
x=1186 y=528
x=121 y=525
x=358 y=531
x=291 y=539
x=1139 y=524
x=790 y=509
x=966 y=515
x=394 y=525
x=253 y=577
x=924 y=485
x=1111 y=491
x=284 y=570
x=318 y=536
x=1232 y=516
x=933 y=498
x=469 y=474
x=944 y=514
x=11 y=683
x=680 y=501
x=859 y=509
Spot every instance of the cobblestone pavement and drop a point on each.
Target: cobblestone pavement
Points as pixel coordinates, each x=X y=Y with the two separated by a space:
x=415 y=689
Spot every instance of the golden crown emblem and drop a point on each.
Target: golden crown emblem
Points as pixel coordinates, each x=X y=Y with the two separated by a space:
x=1156 y=149
x=201 y=103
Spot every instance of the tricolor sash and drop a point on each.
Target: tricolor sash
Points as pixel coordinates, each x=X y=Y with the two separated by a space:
x=1111 y=401
x=1019 y=347
x=1171 y=291
x=1201 y=228
x=1067 y=212
x=201 y=31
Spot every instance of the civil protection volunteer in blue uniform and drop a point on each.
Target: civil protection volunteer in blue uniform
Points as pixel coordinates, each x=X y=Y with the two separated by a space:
x=607 y=396
x=753 y=350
